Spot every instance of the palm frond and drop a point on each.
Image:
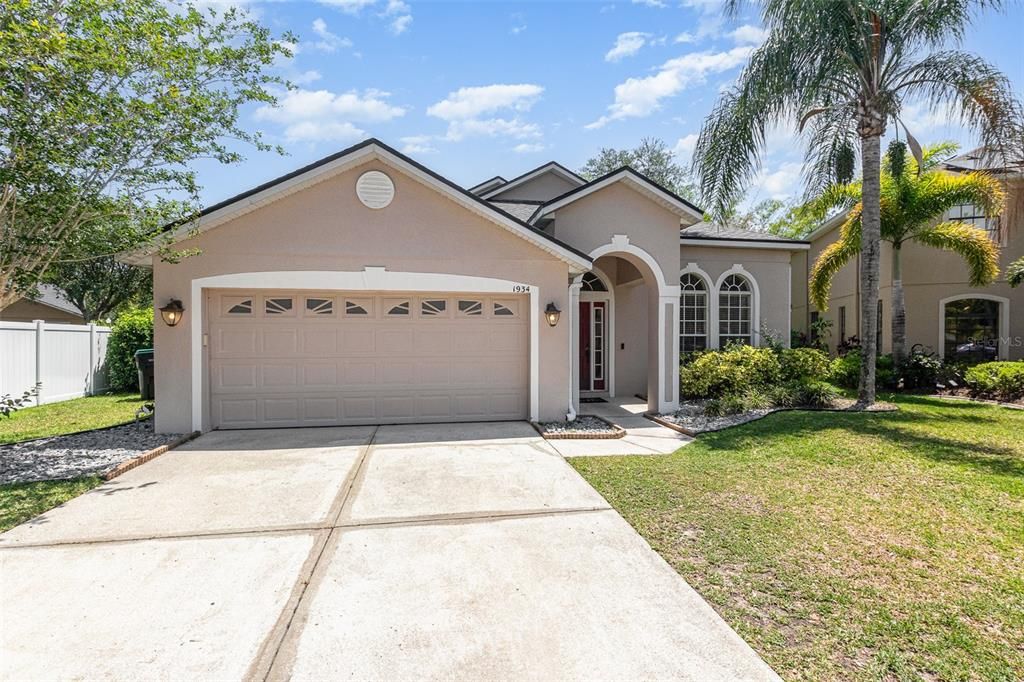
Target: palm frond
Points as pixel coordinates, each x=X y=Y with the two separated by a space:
x=978 y=94
x=831 y=261
x=978 y=251
x=936 y=193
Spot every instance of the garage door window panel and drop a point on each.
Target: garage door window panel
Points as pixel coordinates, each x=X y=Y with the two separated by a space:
x=319 y=307
x=237 y=305
x=470 y=308
x=433 y=308
x=279 y=306
x=397 y=308
x=358 y=307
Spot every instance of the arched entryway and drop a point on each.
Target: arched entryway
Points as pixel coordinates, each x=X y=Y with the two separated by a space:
x=624 y=334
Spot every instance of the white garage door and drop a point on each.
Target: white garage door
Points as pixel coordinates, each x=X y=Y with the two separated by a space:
x=299 y=358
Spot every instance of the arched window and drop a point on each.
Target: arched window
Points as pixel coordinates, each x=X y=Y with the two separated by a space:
x=971 y=329
x=693 y=313
x=592 y=282
x=735 y=305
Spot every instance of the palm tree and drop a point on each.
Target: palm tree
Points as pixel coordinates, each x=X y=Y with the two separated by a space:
x=844 y=69
x=1015 y=273
x=913 y=200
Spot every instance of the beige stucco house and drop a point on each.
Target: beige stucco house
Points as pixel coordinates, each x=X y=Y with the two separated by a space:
x=366 y=288
x=945 y=314
x=46 y=304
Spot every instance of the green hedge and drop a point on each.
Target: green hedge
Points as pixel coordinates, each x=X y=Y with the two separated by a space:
x=742 y=378
x=132 y=330
x=1002 y=380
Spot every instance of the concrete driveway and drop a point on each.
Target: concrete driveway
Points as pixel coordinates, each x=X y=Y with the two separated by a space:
x=455 y=551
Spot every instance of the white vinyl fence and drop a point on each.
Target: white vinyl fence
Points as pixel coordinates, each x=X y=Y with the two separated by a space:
x=67 y=360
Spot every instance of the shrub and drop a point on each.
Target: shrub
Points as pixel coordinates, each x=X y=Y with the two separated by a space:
x=844 y=371
x=802 y=363
x=736 y=403
x=1003 y=380
x=921 y=370
x=814 y=394
x=735 y=370
x=132 y=330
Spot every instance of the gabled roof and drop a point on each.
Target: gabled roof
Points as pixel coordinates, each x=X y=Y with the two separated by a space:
x=371 y=149
x=520 y=209
x=50 y=296
x=636 y=180
x=709 y=234
x=984 y=159
x=549 y=167
x=487 y=185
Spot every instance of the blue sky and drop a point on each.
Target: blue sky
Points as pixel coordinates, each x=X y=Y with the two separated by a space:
x=476 y=89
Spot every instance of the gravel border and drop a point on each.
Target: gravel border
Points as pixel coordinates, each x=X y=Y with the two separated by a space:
x=585 y=426
x=691 y=420
x=87 y=453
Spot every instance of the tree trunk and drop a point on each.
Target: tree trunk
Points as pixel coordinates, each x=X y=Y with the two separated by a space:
x=870 y=250
x=899 y=309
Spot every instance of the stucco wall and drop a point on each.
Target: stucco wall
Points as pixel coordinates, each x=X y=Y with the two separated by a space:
x=325 y=227
x=769 y=268
x=541 y=188
x=27 y=310
x=930 y=275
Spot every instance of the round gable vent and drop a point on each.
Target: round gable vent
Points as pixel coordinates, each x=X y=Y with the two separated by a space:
x=375 y=189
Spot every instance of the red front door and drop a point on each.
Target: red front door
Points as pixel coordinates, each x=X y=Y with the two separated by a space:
x=584 y=346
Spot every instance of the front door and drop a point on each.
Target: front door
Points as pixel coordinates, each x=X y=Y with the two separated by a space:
x=593 y=335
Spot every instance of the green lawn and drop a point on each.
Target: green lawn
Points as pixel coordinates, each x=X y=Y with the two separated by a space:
x=849 y=546
x=69 y=416
x=19 y=502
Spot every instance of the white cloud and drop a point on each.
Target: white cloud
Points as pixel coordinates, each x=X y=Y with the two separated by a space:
x=650 y=3
x=401 y=24
x=528 y=148
x=684 y=147
x=639 y=97
x=418 y=144
x=348 y=6
x=306 y=77
x=474 y=111
x=781 y=183
x=312 y=115
x=516 y=30
x=328 y=42
x=473 y=101
x=626 y=45
x=749 y=35
x=402 y=14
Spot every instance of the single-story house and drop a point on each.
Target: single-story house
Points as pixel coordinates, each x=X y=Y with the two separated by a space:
x=46 y=304
x=366 y=288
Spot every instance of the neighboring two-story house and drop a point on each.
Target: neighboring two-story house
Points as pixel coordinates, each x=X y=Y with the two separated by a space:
x=945 y=314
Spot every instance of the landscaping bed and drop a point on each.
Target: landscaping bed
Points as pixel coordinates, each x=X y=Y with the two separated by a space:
x=584 y=426
x=692 y=418
x=91 y=453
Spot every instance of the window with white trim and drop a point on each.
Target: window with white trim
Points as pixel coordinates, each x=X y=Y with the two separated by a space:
x=970 y=328
x=735 y=311
x=592 y=282
x=693 y=313
x=974 y=216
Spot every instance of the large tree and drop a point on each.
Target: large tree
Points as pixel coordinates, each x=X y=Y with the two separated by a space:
x=103 y=106
x=843 y=69
x=914 y=199
x=652 y=157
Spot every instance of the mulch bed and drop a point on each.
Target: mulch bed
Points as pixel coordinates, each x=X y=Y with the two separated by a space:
x=691 y=420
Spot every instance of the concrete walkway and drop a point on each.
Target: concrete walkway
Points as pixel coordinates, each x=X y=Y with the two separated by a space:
x=456 y=552
x=643 y=437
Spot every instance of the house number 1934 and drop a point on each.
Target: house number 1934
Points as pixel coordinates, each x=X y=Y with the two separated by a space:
x=520 y=288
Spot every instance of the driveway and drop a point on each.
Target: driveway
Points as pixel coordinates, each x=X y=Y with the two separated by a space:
x=455 y=551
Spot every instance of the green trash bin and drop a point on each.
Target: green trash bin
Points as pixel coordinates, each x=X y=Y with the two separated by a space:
x=144 y=363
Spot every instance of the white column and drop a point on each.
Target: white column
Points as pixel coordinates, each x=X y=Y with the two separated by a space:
x=40 y=328
x=91 y=385
x=574 y=345
x=668 y=355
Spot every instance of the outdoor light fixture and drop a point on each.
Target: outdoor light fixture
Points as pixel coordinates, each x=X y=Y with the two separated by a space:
x=552 y=313
x=172 y=312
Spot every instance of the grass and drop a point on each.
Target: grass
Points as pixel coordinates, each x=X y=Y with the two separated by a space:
x=884 y=546
x=69 y=416
x=19 y=502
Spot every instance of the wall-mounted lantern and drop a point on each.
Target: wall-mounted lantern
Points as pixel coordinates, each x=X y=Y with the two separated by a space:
x=552 y=313
x=172 y=312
